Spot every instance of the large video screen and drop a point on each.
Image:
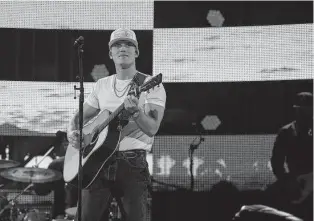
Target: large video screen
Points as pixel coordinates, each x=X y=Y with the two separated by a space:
x=251 y=53
x=37 y=108
x=77 y=15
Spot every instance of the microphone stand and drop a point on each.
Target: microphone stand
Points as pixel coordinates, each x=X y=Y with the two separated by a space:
x=192 y=148
x=79 y=45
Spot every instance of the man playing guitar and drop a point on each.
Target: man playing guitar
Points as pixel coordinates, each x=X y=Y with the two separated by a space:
x=126 y=174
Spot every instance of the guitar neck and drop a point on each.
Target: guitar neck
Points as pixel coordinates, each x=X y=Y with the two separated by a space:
x=111 y=117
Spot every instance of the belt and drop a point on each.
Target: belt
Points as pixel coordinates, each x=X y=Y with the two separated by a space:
x=130 y=153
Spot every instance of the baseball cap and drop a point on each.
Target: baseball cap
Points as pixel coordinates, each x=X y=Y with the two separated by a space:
x=123 y=34
x=304 y=99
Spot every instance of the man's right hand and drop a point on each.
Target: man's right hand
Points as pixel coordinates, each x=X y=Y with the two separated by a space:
x=74 y=138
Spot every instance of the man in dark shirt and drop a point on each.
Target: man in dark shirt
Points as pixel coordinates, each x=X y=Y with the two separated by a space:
x=292 y=157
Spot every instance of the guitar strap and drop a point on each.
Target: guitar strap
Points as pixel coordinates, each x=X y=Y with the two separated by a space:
x=137 y=81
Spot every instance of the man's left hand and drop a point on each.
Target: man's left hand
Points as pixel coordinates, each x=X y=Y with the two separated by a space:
x=131 y=104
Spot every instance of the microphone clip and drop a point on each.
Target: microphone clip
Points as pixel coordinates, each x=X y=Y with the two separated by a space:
x=79 y=42
x=193 y=145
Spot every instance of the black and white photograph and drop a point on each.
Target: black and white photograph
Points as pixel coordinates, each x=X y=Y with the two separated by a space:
x=141 y=110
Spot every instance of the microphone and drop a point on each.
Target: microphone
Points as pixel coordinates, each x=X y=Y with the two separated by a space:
x=78 y=41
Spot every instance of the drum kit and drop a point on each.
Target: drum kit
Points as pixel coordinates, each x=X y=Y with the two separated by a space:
x=10 y=211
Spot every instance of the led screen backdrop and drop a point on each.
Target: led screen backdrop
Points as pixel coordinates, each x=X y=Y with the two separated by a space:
x=33 y=108
x=242 y=159
x=255 y=53
x=82 y=15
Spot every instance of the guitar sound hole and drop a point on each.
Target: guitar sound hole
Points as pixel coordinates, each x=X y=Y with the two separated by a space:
x=95 y=137
x=86 y=151
x=90 y=146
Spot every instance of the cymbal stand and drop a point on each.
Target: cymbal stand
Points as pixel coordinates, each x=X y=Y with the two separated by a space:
x=13 y=202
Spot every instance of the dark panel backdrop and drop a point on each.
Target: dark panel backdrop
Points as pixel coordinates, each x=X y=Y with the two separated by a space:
x=48 y=55
x=260 y=107
x=191 y=14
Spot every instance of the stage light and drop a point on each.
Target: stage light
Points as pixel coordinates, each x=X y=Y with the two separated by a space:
x=215 y=18
x=210 y=122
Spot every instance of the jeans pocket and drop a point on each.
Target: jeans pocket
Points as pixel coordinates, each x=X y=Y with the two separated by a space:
x=138 y=161
x=138 y=167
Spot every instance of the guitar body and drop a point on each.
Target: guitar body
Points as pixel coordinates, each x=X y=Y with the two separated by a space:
x=306 y=187
x=96 y=154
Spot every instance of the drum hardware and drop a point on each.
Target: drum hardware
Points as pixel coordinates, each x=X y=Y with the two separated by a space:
x=114 y=212
x=32 y=176
x=12 y=205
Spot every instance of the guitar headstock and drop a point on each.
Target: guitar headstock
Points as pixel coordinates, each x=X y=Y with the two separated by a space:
x=154 y=81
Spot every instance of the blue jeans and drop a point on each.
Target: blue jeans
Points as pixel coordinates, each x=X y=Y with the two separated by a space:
x=126 y=178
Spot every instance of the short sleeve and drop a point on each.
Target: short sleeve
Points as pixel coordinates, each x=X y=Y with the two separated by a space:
x=92 y=98
x=157 y=96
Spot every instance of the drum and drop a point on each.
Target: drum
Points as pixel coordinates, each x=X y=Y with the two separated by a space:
x=71 y=212
x=35 y=215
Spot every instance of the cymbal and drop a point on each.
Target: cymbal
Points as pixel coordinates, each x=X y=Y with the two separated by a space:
x=31 y=175
x=5 y=164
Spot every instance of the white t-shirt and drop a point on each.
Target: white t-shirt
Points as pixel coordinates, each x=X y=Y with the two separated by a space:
x=103 y=97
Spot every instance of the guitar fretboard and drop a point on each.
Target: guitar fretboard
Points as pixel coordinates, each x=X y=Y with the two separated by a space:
x=111 y=117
